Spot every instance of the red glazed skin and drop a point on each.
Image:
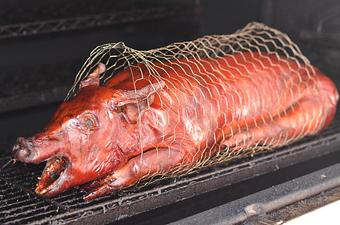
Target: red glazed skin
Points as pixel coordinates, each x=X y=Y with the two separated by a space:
x=115 y=136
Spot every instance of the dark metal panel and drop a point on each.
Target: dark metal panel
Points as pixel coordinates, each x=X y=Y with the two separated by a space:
x=268 y=200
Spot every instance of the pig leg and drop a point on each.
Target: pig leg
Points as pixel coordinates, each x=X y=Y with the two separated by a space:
x=151 y=163
x=306 y=117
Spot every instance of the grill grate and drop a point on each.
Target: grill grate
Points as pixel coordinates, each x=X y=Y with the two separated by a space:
x=83 y=22
x=19 y=204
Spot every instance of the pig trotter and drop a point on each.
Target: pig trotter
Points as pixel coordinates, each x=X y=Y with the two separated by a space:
x=150 y=163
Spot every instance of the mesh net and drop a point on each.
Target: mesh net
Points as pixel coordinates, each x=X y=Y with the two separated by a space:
x=215 y=98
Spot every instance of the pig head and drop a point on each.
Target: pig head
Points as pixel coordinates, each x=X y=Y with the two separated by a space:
x=89 y=136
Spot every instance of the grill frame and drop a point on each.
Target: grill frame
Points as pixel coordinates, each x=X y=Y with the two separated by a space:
x=70 y=208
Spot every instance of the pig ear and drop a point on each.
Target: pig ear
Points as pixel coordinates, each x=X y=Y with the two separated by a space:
x=131 y=102
x=93 y=78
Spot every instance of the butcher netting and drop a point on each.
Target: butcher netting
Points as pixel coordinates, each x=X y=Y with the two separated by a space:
x=214 y=98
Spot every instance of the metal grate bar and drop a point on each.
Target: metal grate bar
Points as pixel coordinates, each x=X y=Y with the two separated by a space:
x=83 y=22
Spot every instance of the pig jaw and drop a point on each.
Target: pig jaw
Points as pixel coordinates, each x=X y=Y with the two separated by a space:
x=54 y=177
x=43 y=147
x=62 y=173
x=76 y=164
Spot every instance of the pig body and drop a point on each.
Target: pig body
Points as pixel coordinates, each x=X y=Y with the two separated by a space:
x=216 y=99
x=181 y=114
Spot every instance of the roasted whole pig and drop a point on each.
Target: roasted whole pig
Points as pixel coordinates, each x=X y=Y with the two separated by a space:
x=135 y=127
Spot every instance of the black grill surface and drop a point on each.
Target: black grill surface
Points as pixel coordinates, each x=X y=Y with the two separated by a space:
x=19 y=204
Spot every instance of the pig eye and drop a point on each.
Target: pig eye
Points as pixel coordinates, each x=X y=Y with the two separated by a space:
x=89 y=122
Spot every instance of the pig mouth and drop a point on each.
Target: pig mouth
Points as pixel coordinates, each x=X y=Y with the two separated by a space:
x=52 y=176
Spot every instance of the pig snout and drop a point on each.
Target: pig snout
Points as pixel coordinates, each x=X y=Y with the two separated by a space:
x=35 y=149
x=23 y=149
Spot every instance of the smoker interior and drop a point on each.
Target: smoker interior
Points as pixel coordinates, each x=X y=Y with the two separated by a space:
x=41 y=53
